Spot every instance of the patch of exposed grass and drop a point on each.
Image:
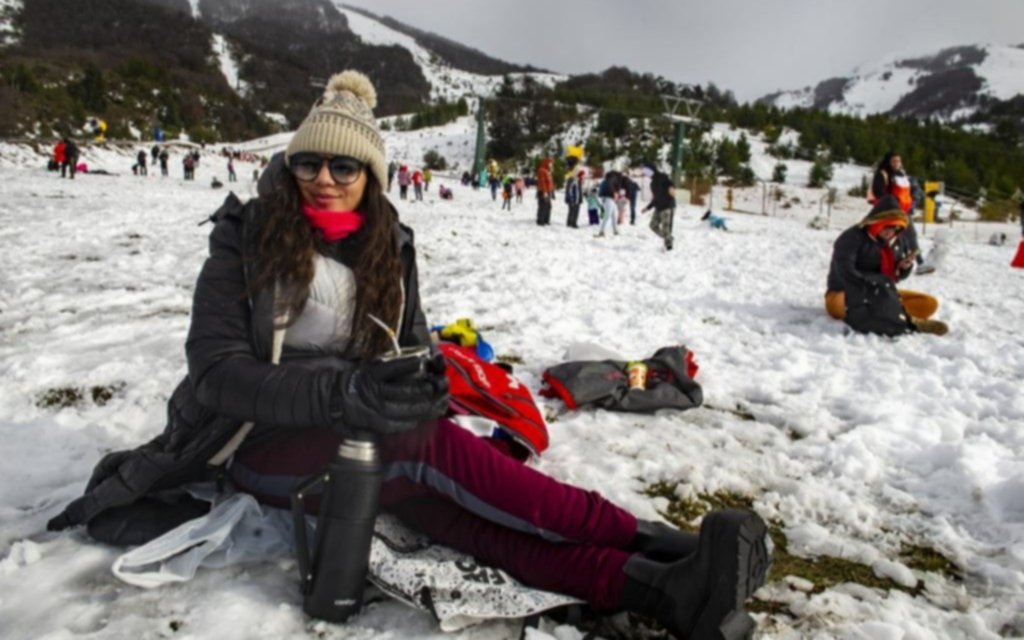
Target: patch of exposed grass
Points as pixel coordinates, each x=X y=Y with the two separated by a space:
x=739 y=411
x=930 y=560
x=59 y=398
x=64 y=397
x=824 y=572
x=509 y=358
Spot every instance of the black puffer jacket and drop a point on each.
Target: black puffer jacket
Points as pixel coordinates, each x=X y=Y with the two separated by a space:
x=661 y=198
x=230 y=378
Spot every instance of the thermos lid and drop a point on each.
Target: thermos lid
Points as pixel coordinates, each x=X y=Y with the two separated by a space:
x=361 y=450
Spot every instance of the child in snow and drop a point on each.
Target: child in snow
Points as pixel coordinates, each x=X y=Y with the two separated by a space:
x=714 y=221
x=322 y=218
x=594 y=208
x=506 y=194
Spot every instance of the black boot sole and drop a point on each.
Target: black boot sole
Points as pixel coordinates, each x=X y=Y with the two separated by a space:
x=738 y=572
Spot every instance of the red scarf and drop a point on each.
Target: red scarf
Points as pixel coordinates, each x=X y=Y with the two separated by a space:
x=888 y=266
x=335 y=225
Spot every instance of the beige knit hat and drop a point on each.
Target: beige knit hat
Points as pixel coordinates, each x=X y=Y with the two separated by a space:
x=341 y=123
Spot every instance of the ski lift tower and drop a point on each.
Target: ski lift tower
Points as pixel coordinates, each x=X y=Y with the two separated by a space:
x=680 y=111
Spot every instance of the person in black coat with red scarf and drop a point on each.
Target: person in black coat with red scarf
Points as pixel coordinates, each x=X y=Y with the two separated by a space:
x=868 y=259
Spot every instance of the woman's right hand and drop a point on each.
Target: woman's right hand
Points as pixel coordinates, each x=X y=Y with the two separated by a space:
x=389 y=397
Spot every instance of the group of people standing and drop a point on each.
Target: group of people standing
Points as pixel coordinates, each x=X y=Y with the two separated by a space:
x=418 y=179
x=65 y=158
x=608 y=199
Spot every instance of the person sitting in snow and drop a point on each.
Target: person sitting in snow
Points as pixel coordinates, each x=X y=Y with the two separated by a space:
x=867 y=261
x=296 y=276
x=714 y=221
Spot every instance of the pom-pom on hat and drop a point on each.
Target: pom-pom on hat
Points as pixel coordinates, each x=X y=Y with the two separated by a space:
x=341 y=123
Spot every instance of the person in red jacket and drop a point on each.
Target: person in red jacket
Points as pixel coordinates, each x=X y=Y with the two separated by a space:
x=417 y=184
x=58 y=154
x=545 y=190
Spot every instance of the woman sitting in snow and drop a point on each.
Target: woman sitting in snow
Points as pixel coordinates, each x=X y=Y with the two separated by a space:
x=867 y=261
x=301 y=268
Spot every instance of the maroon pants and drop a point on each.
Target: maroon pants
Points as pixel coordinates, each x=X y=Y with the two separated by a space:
x=463 y=493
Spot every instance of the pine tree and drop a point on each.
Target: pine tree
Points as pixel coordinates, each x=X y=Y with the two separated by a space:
x=779 y=173
x=821 y=172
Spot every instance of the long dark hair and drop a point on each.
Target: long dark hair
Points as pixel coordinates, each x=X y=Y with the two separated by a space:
x=288 y=244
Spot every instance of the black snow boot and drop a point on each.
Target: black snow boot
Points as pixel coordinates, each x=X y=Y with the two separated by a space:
x=662 y=542
x=701 y=597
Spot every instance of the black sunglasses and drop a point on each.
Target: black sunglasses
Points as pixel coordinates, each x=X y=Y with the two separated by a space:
x=306 y=167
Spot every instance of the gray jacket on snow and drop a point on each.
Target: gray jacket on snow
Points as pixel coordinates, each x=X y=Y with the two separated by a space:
x=230 y=378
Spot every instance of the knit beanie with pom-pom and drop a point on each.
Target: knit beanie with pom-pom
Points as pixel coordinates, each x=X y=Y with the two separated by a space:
x=341 y=123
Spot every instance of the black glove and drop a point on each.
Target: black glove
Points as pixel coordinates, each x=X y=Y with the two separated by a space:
x=389 y=397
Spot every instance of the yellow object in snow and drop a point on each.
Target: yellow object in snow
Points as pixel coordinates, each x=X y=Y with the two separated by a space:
x=461 y=330
x=933 y=188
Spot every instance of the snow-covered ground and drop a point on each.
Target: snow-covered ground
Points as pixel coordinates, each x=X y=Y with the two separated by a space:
x=857 y=445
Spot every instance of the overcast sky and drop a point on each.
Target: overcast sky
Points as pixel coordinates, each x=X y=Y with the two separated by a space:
x=751 y=47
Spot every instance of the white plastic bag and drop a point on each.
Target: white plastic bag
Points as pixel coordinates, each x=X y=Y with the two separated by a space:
x=403 y=564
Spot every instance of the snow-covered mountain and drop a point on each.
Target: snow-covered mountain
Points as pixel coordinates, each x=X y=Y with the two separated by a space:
x=447 y=82
x=953 y=84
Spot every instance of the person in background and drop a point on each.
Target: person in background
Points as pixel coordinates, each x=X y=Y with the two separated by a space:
x=520 y=187
x=574 y=198
x=59 y=155
x=594 y=209
x=428 y=175
x=621 y=200
x=306 y=265
x=231 y=170
x=417 y=185
x=545 y=191
x=632 y=192
x=607 y=191
x=1019 y=197
x=891 y=179
x=392 y=168
x=663 y=201
x=494 y=182
x=404 y=180
x=164 y=157
x=506 y=193
x=867 y=262
x=70 y=158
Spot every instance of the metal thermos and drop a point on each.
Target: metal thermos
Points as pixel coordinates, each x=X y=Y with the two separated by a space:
x=334 y=577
